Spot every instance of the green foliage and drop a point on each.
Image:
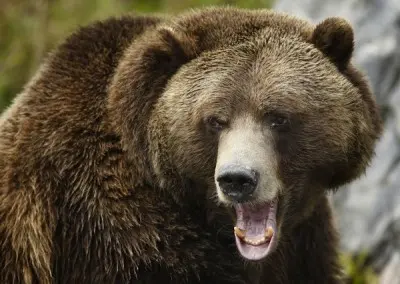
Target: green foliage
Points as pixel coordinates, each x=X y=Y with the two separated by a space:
x=30 y=29
x=357 y=270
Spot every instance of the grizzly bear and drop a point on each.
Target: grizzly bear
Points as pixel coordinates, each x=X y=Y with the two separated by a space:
x=192 y=149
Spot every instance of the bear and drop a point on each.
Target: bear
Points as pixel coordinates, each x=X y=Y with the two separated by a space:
x=195 y=148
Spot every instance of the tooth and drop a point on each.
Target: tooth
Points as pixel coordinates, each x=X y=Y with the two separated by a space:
x=261 y=241
x=255 y=242
x=239 y=232
x=269 y=233
x=246 y=240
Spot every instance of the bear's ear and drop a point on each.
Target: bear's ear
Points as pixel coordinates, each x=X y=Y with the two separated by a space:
x=166 y=50
x=335 y=38
x=139 y=80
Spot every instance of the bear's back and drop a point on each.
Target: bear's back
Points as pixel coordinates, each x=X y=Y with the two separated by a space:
x=47 y=139
x=66 y=99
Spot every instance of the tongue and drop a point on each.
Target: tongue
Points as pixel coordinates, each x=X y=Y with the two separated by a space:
x=255 y=231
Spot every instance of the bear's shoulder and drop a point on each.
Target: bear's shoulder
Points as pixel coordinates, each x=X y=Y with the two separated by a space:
x=92 y=53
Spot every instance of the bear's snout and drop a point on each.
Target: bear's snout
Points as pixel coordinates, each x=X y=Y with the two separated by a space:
x=237 y=182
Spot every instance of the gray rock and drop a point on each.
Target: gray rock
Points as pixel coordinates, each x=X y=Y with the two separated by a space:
x=368 y=210
x=390 y=273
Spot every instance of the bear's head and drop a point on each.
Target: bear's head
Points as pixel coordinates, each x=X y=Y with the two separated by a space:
x=261 y=109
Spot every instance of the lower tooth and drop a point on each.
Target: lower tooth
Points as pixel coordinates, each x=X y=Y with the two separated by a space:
x=261 y=241
x=255 y=242
x=269 y=233
x=246 y=240
x=239 y=232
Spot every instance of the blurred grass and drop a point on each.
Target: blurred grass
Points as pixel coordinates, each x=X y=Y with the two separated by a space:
x=30 y=29
x=357 y=269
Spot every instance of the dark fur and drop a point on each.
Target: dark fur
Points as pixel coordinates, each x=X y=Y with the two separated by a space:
x=94 y=188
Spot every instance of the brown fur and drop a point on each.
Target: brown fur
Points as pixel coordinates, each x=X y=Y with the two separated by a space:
x=104 y=177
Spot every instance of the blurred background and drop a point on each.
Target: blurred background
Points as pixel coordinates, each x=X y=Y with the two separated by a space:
x=368 y=210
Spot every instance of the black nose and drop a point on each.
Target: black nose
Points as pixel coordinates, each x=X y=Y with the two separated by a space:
x=237 y=182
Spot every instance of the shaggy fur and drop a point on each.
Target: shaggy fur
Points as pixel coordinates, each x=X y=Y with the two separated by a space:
x=106 y=171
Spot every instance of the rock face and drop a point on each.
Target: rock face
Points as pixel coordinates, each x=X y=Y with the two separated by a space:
x=368 y=210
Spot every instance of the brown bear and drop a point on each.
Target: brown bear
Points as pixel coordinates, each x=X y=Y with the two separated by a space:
x=193 y=149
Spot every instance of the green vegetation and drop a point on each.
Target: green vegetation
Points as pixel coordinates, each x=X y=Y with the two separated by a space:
x=357 y=269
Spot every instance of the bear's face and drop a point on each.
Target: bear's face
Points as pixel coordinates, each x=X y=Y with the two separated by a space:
x=266 y=125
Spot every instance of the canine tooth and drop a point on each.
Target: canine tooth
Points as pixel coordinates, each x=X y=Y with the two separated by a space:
x=268 y=232
x=239 y=232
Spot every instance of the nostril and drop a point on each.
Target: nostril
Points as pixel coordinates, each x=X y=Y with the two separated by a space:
x=225 y=179
x=244 y=180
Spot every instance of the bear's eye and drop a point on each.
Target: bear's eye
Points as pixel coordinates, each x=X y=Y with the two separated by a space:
x=215 y=124
x=277 y=121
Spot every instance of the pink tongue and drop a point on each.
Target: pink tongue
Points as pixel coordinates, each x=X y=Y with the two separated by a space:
x=254 y=220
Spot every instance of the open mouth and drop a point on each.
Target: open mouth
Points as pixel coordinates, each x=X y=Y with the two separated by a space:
x=256 y=230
